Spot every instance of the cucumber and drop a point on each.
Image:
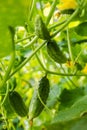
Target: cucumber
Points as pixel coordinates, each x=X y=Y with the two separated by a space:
x=36 y=106
x=41 y=29
x=18 y=104
x=55 y=53
x=8 y=109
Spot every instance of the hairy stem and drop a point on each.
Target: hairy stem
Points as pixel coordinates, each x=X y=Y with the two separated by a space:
x=51 y=11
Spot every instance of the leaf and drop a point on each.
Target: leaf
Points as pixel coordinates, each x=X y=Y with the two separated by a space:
x=81 y=29
x=53 y=96
x=74 y=112
x=68 y=97
x=77 y=124
x=12 y=13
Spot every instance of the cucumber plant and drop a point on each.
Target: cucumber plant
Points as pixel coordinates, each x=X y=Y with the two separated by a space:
x=47 y=35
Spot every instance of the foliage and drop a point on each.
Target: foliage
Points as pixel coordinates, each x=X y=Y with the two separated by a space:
x=55 y=47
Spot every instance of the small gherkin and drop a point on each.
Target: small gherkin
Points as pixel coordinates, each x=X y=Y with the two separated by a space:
x=41 y=29
x=36 y=106
x=17 y=103
x=55 y=53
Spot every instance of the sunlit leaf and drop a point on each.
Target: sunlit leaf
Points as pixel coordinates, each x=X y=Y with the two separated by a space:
x=12 y=13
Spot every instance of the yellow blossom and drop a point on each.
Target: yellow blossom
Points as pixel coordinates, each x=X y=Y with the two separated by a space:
x=69 y=64
x=85 y=69
x=67 y=4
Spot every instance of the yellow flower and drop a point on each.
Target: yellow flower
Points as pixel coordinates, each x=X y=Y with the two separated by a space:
x=67 y=4
x=69 y=64
x=85 y=69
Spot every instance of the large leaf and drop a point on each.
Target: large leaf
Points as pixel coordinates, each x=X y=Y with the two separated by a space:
x=69 y=97
x=75 y=111
x=77 y=124
x=12 y=13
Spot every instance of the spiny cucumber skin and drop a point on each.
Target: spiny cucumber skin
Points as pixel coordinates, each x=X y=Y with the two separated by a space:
x=36 y=106
x=18 y=104
x=40 y=29
x=55 y=53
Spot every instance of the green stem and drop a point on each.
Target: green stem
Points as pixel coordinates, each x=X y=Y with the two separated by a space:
x=68 y=78
x=72 y=83
x=56 y=25
x=5 y=95
x=79 y=54
x=41 y=8
x=43 y=103
x=51 y=11
x=26 y=60
x=31 y=42
x=69 y=46
x=66 y=23
x=64 y=74
x=8 y=69
x=80 y=41
x=40 y=63
x=21 y=40
x=32 y=9
x=56 y=73
x=3 y=67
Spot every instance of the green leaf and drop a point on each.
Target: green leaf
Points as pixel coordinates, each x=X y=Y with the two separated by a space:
x=81 y=29
x=74 y=112
x=77 y=124
x=12 y=13
x=53 y=96
x=68 y=97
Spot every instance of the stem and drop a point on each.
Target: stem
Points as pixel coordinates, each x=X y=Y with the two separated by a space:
x=31 y=10
x=64 y=74
x=68 y=77
x=8 y=69
x=5 y=94
x=41 y=63
x=80 y=41
x=73 y=83
x=24 y=38
x=57 y=24
x=76 y=59
x=67 y=22
x=69 y=47
x=3 y=67
x=51 y=11
x=31 y=42
x=56 y=73
x=26 y=60
x=43 y=103
x=41 y=8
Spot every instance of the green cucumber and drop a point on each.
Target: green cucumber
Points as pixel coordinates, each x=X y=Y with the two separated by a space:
x=8 y=109
x=17 y=103
x=36 y=106
x=55 y=53
x=41 y=29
